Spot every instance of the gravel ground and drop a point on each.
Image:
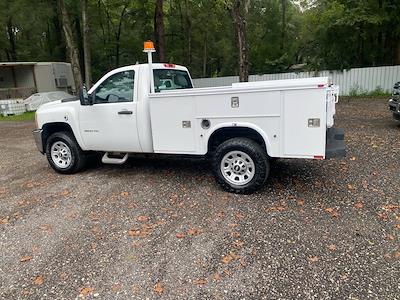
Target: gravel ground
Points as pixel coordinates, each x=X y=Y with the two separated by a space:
x=161 y=228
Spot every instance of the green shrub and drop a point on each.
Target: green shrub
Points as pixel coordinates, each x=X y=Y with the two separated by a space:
x=357 y=91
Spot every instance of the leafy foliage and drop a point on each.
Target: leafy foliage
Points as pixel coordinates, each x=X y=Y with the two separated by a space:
x=318 y=34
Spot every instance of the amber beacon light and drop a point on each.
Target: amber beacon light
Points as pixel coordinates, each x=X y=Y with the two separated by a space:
x=148 y=46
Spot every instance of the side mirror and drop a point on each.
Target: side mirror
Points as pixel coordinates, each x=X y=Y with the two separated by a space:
x=84 y=96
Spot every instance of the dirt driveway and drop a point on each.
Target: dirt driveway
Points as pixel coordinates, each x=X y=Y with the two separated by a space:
x=161 y=228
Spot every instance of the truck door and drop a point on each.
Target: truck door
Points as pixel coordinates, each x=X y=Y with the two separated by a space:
x=110 y=123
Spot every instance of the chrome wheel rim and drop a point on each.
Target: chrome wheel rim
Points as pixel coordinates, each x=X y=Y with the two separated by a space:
x=237 y=168
x=61 y=155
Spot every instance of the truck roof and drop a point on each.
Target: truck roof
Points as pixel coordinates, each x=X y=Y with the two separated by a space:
x=155 y=66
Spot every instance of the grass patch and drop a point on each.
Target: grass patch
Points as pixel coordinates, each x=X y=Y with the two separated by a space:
x=28 y=116
x=357 y=91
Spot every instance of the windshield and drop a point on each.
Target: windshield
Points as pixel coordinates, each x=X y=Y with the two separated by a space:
x=167 y=79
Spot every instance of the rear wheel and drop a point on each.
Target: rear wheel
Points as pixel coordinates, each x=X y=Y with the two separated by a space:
x=64 y=154
x=240 y=165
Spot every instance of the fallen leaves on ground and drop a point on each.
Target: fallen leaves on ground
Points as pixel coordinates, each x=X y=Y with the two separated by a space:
x=383 y=216
x=143 y=218
x=332 y=247
x=194 y=231
x=180 y=235
x=390 y=237
x=135 y=232
x=145 y=229
x=351 y=187
x=158 y=289
x=230 y=257
x=46 y=227
x=25 y=258
x=86 y=291
x=390 y=207
x=359 y=205
x=333 y=212
x=217 y=277
x=38 y=280
x=142 y=232
x=277 y=208
x=220 y=214
x=200 y=282
x=238 y=243
x=239 y=216
x=116 y=287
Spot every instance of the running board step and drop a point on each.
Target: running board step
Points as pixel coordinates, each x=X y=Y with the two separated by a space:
x=114 y=161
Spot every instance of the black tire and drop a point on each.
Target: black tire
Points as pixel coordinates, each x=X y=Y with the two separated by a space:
x=257 y=154
x=78 y=157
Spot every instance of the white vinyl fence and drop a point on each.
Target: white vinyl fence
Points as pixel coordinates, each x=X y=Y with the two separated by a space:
x=361 y=80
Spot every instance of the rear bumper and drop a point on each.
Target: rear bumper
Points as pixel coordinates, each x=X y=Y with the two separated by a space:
x=394 y=107
x=37 y=135
x=335 y=146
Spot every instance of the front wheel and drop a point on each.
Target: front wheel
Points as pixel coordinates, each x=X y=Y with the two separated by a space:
x=64 y=154
x=240 y=165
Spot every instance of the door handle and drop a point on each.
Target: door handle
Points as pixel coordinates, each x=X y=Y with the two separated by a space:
x=125 y=112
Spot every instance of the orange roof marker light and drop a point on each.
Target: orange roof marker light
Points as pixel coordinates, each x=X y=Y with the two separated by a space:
x=149 y=47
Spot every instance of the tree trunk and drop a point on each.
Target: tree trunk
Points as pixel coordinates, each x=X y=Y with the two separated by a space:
x=188 y=27
x=86 y=45
x=11 y=38
x=73 y=51
x=239 y=11
x=118 y=36
x=283 y=32
x=205 y=56
x=159 y=33
x=397 y=60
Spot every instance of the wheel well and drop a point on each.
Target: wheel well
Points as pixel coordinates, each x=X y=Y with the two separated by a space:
x=223 y=134
x=50 y=128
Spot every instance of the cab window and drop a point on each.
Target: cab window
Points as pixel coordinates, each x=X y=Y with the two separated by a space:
x=116 y=88
x=167 y=79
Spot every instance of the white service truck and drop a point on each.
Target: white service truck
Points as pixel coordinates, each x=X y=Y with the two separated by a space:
x=153 y=108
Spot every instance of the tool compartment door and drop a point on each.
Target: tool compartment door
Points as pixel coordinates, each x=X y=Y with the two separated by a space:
x=301 y=139
x=172 y=124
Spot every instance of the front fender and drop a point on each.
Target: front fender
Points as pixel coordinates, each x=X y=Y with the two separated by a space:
x=65 y=113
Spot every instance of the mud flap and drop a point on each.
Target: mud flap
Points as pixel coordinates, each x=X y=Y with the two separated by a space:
x=335 y=146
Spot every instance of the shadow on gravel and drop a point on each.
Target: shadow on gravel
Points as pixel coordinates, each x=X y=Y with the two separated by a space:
x=283 y=172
